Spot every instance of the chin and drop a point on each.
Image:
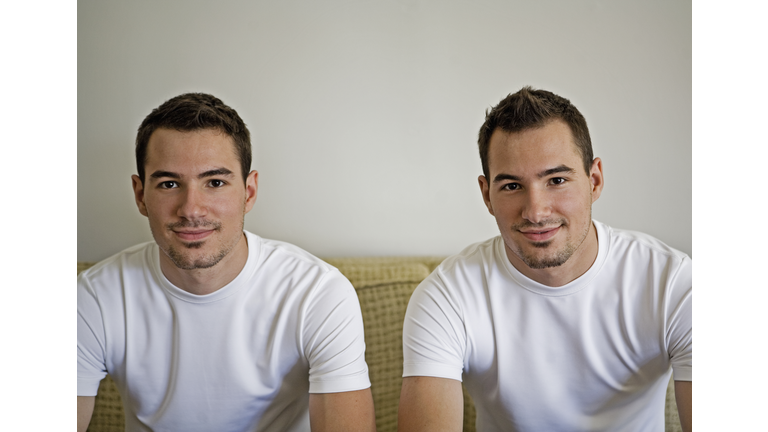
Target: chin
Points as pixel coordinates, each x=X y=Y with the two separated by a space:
x=186 y=262
x=545 y=262
x=537 y=260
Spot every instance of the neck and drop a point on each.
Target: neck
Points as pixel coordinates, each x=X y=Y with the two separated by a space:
x=578 y=264
x=209 y=280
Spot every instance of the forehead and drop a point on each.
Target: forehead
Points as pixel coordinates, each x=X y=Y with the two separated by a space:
x=169 y=148
x=532 y=150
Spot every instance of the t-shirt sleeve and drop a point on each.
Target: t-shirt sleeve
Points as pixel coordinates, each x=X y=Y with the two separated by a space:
x=434 y=335
x=91 y=367
x=679 y=322
x=333 y=339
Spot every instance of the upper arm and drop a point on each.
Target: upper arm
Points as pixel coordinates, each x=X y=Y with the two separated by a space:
x=434 y=347
x=91 y=340
x=434 y=335
x=333 y=339
x=84 y=411
x=430 y=404
x=679 y=319
x=683 y=397
x=346 y=411
x=680 y=339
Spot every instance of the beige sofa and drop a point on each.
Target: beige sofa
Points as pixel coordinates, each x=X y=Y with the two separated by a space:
x=383 y=286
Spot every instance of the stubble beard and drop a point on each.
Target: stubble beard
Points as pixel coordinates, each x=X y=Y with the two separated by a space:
x=559 y=257
x=184 y=261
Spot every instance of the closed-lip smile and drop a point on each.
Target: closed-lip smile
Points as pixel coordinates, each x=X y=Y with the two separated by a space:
x=540 y=234
x=193 y=235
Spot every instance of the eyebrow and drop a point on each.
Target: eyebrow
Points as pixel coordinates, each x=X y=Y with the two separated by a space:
x=557 y=169
x=159 y=174
x=215 y=172
x=545 y=173
x=209 y=173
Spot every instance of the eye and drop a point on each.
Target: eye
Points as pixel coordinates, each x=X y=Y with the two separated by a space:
x=216 y=183
x=511 y=186
x=167 y=185
x=557 y=181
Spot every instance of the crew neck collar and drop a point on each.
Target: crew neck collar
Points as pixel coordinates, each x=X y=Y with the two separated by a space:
x=254 y=248
x=576 y=285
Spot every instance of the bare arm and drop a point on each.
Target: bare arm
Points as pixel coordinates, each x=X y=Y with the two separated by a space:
x=347 y=411
x=84 y=411
x=430 y=404
x=683 y=397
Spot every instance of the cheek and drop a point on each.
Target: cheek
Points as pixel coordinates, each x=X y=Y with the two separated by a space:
x=574 y=206
x=506 y=205
x=227 y=206
x=159 y=209
x=568 y=205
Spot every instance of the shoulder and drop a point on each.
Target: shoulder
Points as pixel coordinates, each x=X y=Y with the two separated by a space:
x=472 y=258
x=643 y=254
x=468 y=269
x=133 y=259
x=461 y=277
x=107 y=284
x=284 y=262
x=285 y=255
x=627 y=241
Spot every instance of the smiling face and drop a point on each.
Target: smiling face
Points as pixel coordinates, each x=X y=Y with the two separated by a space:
x=542 y=201
x=195 y=199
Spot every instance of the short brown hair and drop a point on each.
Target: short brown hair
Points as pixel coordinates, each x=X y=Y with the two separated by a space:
x=191 y=112
x=530 y=108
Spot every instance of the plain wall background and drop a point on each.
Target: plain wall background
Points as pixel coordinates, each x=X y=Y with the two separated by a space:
x=364 y=114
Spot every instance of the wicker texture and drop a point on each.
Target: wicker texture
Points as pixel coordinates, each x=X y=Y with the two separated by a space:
x=108 y=415
x=384 y=286
x=671 y=416
x=344 y=264
x=384 y=292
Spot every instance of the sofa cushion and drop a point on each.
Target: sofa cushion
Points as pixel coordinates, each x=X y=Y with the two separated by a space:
x=384 y=291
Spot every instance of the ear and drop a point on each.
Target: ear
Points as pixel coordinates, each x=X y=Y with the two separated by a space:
x=596 y=178
x=485 y=189
x=251 y=189
x=138 y=194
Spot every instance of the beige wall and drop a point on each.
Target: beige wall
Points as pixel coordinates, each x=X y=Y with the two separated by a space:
x=364 y=115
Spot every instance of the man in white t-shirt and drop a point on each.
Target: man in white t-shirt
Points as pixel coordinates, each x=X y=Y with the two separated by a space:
x=561 y=323
x=211 y=327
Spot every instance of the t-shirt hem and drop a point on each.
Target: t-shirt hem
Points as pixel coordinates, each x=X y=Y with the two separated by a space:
x=87 y=386
x=431 y=370
x=339 y=386
x=682 y=373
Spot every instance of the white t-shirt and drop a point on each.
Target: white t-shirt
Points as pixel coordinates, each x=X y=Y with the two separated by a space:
x=594 y=354
x=243 y=358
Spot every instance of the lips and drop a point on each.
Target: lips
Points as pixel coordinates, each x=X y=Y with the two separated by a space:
x=540 y=234
x=193 y=235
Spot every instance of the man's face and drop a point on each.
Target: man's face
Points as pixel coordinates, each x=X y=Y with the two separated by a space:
x=540 y=195
x=194 y=197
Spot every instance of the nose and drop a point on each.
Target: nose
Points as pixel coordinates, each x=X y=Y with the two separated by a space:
x=537 y=206
x=192 y=205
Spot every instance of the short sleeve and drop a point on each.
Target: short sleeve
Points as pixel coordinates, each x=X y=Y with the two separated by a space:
x=332 y=337
x=679 y=322
x=434 y=335
x=91 y=367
